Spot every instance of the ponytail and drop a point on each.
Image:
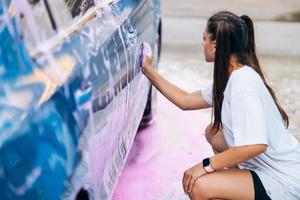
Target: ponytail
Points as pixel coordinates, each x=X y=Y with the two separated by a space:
x=221 y=66
x=250 y=43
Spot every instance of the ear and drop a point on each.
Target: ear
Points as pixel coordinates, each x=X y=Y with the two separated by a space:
x=214 y=45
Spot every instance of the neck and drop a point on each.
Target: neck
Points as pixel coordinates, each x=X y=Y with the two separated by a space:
x=234 y=64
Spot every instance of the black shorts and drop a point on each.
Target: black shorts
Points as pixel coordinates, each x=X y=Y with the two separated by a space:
x=259 y=189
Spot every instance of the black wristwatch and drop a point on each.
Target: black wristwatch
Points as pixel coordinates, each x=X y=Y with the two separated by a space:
x=207 y=166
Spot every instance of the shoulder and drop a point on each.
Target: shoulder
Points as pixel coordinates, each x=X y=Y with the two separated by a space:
x=245 y=79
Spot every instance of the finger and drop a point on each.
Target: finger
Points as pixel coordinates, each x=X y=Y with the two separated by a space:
x=148 y=61
x=147 y=49
x=192 y=183
x=183 y=180
x=186 y=186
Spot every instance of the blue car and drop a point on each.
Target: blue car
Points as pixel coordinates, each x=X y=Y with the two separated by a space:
x=72 y=95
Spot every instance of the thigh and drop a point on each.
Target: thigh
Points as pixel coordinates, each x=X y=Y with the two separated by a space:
x=233 y=184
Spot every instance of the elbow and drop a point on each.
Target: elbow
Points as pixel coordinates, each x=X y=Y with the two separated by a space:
x=262 y=148
x=258 y=149
x=184 y=103
x=245 y=153
x=184 y=107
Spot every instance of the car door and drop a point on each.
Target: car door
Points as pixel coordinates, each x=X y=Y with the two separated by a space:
x=98 y=44
x=143 y=21
x=83 y=55
x=107 y=57
x=83 y=66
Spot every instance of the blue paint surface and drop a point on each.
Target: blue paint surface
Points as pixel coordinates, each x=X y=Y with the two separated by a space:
x=40 y=155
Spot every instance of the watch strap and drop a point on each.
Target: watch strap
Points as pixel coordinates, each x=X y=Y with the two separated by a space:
x=209 y=169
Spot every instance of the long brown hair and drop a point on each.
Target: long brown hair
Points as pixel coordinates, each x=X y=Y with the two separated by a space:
x=234 y=35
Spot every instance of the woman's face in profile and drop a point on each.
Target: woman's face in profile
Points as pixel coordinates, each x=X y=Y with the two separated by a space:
x=209 y=47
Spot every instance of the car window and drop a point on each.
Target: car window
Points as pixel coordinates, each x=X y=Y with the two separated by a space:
x=51 y=16
x=35 y=24
x=79 y=7
x=60 y=13
x=67 y=12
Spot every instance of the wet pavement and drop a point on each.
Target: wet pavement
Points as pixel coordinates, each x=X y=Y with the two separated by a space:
x=161 y=153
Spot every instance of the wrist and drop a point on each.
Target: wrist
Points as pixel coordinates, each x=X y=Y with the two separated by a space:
x=207 y=165
x=204 y=172
x=148 y=71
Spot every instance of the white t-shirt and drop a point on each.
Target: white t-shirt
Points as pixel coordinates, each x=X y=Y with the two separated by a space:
x=250 y=116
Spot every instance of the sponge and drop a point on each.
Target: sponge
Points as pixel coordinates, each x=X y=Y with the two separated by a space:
x=144 y=49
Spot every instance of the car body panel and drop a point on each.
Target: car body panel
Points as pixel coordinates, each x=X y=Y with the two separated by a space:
x=71 y=110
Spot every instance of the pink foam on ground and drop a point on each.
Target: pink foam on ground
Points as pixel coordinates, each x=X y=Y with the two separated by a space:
x=162 y=152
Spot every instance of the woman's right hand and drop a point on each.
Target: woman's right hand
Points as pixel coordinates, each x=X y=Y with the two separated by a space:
x=147 y=65
x=178 y=96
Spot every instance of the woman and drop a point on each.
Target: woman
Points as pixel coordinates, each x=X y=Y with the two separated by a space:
x=255 y=157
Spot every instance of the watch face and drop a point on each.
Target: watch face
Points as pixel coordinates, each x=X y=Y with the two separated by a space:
x=206 y=162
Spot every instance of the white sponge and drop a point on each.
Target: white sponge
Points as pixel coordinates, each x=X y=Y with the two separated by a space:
x=144 y=49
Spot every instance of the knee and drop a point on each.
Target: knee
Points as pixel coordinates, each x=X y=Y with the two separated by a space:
x=199 y=191
x=208 y=133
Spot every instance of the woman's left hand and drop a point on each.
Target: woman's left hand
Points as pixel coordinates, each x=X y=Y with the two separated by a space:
x=191 y=175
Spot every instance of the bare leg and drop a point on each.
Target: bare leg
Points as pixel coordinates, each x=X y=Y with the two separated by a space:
x=216 y=140
x=233 y=184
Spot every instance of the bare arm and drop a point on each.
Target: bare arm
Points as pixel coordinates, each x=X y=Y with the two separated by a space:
x=236 y=155
x=178 y=96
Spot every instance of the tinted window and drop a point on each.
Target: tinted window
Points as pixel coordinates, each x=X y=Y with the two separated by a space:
x=79 y=7
x=64 y=11
x=38 y=30
x=60 y=12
